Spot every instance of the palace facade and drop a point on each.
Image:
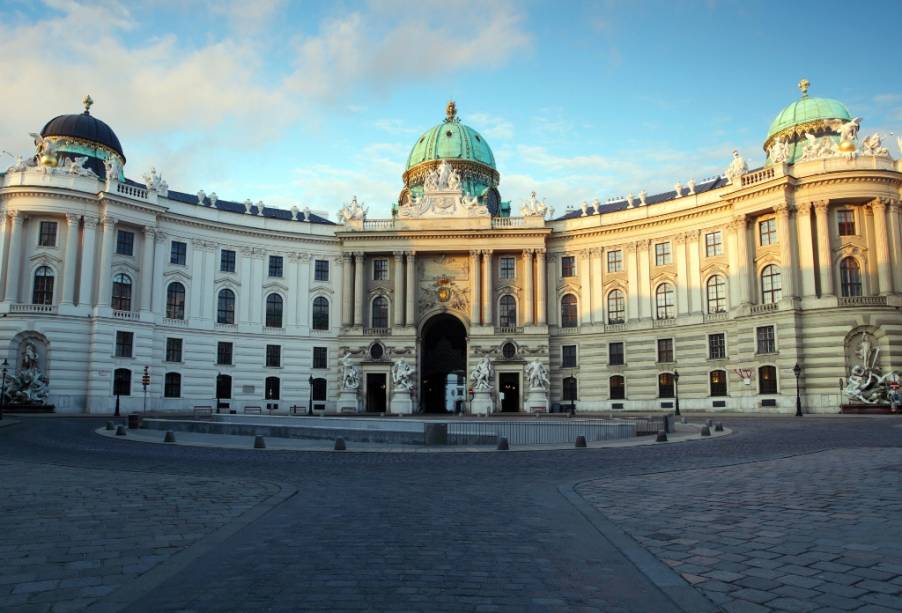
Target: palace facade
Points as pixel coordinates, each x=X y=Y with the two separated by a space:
x=730 y=282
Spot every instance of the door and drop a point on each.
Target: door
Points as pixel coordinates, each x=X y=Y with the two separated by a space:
x=509 y=385
x=375 y=392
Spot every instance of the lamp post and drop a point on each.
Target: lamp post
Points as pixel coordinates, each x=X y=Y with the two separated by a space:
x=3 y=388
x=572 y=395
x=797 y=370
x=310 y=397
x=218 y=379
x=676 y=392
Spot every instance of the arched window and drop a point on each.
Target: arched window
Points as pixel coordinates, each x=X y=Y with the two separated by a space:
x=570 y=389
x=665 y=385
x=616 y=307
x=223 y=386
x=172 y=385
x=175 y=301
x=850 y=277
x=507 y=311
x=122 y=293
x=664 y=308
x=767 y=380
x=271 y=388
x=320 y=313
x=771 y=285
x=122 y=382
x=318 y=392
x=618 y=388
x=717 y=294
x=717 y=381
x=225 y=307
x=508 y=351
x=274 y=311
x=569 y=319
x=379 y=312
x=43 y=286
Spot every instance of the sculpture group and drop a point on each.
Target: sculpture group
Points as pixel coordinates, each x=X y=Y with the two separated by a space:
x=866 y=382
x=27 y=385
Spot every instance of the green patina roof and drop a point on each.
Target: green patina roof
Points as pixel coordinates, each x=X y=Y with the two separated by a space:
x=808 y=109
x=451 y=140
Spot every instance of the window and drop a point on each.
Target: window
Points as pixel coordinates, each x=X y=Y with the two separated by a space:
x=125 y=242
x=850 y=277
x=318 y=392
x=665 y=385
x=224 y=353
x=767 y=380
x=175 y=301
x=380 y=269
x=178 y=253
x=665 y=350
x=173 y=350
x=664 y=302
x=765 y=342
x=717 y=382
x=713 y=244
x=275 y=266
x=122 y=293
x=616 y=307
x=507 y=267
x=226 y=260
x=615 y=354
x=320 y=313
x=223 y=386
x=845 y=221
x=377 y=351
x=509 y=351
x=273 y=356
x=568 y=356
x=122 y=382
x=771 y=285
x=615 y=261
x=47 y=234
x=507 y=311
x=568 y=312
x=124 y=343
x=767 y=232
x=717 y=294
x=225 y=307
x=320 y=357
x=42 y=292
x=617 y=387
x=379 y=314
x=570 y=389
x=172 y=385
x=568 y=266
x=662 y=254
x=321 y=270
x=717 y=346
x=274 y=311
x=271 y=388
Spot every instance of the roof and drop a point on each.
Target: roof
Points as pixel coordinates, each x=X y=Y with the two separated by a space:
x=806 y=110
x=84 y=126
x=451 y=140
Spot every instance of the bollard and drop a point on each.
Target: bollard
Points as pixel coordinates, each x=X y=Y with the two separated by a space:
x=662 y=437
x=580 y=441
x=706 y=431
x=134 y=421
x=120 y=431
x=259 y=443
x=718 y=427
x=709 y=422
x=340 y=444
x=169 y=437
x=109 y=425
x=685 y=420
x=503 y=444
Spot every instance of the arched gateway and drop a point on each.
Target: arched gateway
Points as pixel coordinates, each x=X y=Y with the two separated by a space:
x=443 y=363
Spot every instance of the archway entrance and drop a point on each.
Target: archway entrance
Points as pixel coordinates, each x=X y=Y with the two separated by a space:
x=443 y=365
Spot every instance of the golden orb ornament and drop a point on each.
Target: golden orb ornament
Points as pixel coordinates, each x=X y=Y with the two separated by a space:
x=846 y=146
x=48 y=159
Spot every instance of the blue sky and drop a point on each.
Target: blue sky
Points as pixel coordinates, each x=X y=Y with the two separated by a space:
x=311 y=103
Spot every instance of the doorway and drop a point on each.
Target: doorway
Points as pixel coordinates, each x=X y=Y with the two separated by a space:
x=443 y=348
x=375 y=392
x=509 y=385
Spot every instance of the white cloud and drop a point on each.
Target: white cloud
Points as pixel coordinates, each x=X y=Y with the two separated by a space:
x=491 y=126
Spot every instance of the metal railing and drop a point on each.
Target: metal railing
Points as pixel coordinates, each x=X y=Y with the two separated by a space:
x=542 y=432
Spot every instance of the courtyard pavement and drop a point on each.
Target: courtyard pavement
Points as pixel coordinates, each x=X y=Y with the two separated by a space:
x=783 y=514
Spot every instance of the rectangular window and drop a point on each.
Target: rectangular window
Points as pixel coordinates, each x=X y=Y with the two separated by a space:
x=226 y=260
x=765 y=340
x=846 y=222
x=615 y=261
x=767 y=232
x=662 y=254
x=125 y=242
x=665 y=350
x=275 y=266
x=172 y=385
x=615 y=354
x=321 y=270
x=173 y=350
x=380 y=269
x=568 y=266
x=124 y=343
x=47 y=234
x=320 y=357
x=568 y=356
x=507 y=265
x=713 y=244
x=717 y=346
x=273 y=356
x=178 y=253
x=224 y=353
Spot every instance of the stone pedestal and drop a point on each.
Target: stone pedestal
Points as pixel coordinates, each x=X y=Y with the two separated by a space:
x=536 y=401
x=401 y=404
x=482 y=403
x=347 y=402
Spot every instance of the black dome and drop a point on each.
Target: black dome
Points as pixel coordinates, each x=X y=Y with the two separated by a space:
x=86 y=127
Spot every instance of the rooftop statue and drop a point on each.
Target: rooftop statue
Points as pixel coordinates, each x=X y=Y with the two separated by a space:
x=76 y=166
x=779 y=151
x=873 y=145
x=113 y=168
x=352 y=211
x=155 y=183
x=738 y=167
x=533 y=207
x=816 y=148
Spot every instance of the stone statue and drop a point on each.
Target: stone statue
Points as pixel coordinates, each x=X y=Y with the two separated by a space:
x=260 y=208
x=44 y=150
x=402 y=375
x=533 y=208
x=866 y=383
x=76 y=166
x=816 y=148
x=483 y=375
x=848 y=131
x=630 y=203
x=19 y=165
x=29 y=356
x=873 y=145
x=691 y=185
x=213 y=200
x=584 y=208
x=352 y=210
x=779 y=151
x=154 y=182
x=678 y=188
x=294 y=212
x=537 y=375
x=248 y=205
x=454 y=181
x=201 y=196
x=306 y=213
x=113 y=168
x=350 y=375
x=642 y=196
x=738 y=167
x=28 y=385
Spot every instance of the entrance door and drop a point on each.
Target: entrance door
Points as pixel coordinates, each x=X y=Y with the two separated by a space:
x=375 y=392
x=443 y=348
x=509 y=385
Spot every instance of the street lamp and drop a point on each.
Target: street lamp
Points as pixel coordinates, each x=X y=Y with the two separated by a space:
x=572 y=394
x=3 y=387
x=676 y=392
x=797 y=370
x=310 y=398
x=218 y=379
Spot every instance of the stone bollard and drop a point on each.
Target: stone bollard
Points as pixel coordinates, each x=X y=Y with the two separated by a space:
x=662 y=437
x=169 y=437
x=706 y=431
x=709 y=422
x=340 y=444
x=109 y=425
x=503 y=445
x=580 y=441
x=718 y=427
x=120 y=431
x=259 y=442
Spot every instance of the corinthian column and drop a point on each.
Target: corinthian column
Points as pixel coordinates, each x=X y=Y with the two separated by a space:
x=411 y=293
x=682 y=267
x=585 y=287
x=147 y=268
x=540 y=287
x=71 y=259
x=15 y=257
x=398 y=299
x=784 y=236
x=527 y=287
x=895 y=241
x=104 y=296
x=632 y=276
x=474 y=287
x=86 y=282
x=824 y=252
x=347 y=290
x=487 y=287
x=884 y=265
x=358 y=288
x=806 y=250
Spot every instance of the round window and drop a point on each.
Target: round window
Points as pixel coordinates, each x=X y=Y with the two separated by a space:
x=509 y=350
x=376 y=352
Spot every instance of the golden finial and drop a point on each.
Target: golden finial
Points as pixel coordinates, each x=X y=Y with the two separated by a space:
x=450 y=111
x=87 y=101
x=803 y=85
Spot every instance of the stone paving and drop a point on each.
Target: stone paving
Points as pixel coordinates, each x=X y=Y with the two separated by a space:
x=818 y=532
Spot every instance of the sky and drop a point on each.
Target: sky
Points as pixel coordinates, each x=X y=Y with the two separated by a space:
x=311 y=103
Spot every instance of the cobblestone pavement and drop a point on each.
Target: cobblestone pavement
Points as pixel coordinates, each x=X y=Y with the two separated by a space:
x=417 y=532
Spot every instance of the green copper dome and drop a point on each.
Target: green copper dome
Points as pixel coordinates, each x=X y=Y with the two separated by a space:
x=451 y=140
x=808 y=110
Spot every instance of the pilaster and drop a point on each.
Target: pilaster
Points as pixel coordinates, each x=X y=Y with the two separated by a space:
x=71 y=260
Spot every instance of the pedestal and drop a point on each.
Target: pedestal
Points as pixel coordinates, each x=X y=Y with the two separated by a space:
x=482 y=403
x=347 y=401
x=536 y=401
x=401 y=404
